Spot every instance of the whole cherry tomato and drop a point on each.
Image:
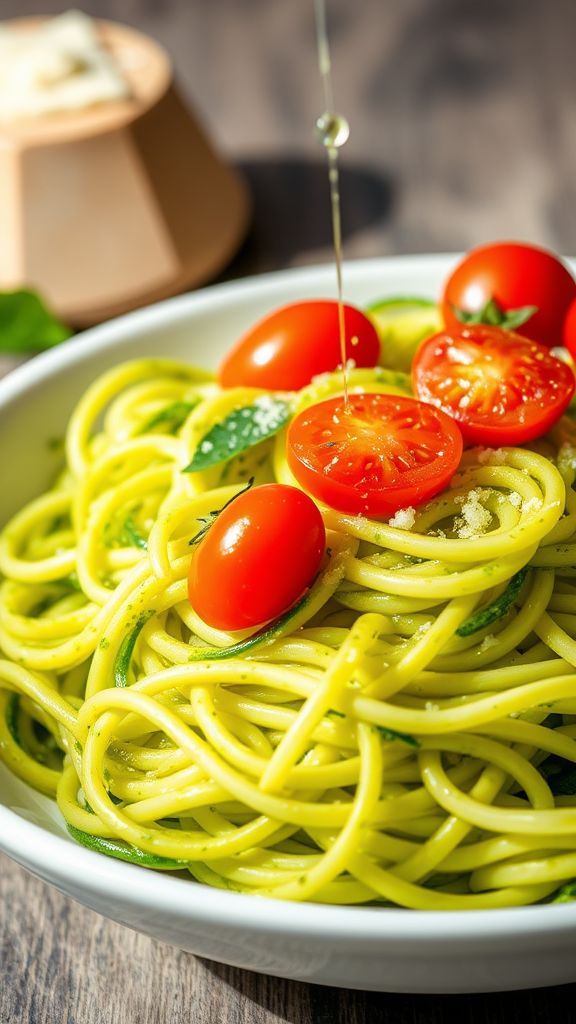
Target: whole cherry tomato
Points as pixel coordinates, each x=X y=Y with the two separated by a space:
x=500 y=388
x=259 y=556
x=569 y=337
x=290 y=346
x=512 y=285
x=380 y=454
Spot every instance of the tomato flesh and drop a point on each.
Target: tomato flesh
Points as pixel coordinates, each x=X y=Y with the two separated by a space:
x=381 y=454
x=514 y=275
x=290 y=346
x=501 y=388
x=258 y=558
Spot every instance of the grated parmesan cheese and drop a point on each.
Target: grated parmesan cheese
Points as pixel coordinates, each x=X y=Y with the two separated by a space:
x=403 y=519
x=531 y=505
x=268 y=413
x=474 y=519
x=495 y=456
x=489 y=641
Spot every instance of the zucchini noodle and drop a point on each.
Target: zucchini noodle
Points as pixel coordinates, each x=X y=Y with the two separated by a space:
x=405 y=734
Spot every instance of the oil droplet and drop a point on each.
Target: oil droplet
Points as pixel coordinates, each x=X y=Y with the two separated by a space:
x=332 y=130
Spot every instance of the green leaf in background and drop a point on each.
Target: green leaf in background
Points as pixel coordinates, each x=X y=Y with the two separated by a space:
x=26 y=325
x=242 y=429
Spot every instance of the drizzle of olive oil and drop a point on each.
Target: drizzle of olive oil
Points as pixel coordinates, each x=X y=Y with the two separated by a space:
x=333 y=131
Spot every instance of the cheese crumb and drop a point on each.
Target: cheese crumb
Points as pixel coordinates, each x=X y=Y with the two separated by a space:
x=403 y=519
x=495 y=456
x=489 y=641
x=515 y=499
x=531 y=505
x=475 y=519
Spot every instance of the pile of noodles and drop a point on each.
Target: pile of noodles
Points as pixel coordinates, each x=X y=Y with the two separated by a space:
x=406 y=734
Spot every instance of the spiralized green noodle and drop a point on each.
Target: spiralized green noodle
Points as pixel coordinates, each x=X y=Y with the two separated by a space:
x=383 y=742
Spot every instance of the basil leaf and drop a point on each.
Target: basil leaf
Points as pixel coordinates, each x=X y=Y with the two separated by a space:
x=393 y=734
x=126 y=649
x=12 y=709
x=27 y=325
x=566 y=894
x=123 y=851
x=171 y=417
x=497 y=609
x=242 y=429
x=130 y=535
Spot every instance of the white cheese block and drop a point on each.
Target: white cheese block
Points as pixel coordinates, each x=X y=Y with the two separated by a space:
x=57 y=66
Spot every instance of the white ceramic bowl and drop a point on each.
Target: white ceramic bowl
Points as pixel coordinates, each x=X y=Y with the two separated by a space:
x=387 y=950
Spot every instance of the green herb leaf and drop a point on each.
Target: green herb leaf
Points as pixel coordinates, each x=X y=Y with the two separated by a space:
x=266 y=635
x=496 y=610
x=130 y=535
x=126 y=649
x=122 y=851
x=27 y=325
x=242 y=429
x=566 y=894
x=171 y=417
x=493 y=315
x=393 y=734
x=12 y=709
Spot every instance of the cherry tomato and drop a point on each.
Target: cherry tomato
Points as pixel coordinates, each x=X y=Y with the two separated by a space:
x=257 y=558
x=383 y=453
x=569 y=339
x=289 y=347
x=513 y=275
x=501 y=388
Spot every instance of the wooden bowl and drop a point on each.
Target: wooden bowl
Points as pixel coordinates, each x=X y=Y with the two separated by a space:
x=118 y=205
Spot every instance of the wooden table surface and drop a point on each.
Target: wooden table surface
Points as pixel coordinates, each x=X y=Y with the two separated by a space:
x=463 y=120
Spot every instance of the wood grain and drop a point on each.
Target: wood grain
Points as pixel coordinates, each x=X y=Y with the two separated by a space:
x=463 y=122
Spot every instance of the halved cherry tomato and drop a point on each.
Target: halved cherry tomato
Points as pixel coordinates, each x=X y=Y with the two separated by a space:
x=513 y=275
x=258 y=557
x=569 y=337
x=381 y=454
x=289 y=347
x=499 y=387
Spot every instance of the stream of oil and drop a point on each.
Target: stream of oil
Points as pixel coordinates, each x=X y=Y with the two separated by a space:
x=333 y=132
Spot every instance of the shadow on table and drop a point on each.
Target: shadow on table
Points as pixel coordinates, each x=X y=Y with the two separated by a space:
x=299 y=1003
x=291 y=210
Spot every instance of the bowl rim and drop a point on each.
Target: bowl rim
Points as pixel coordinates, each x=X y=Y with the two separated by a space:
x=74 y=868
